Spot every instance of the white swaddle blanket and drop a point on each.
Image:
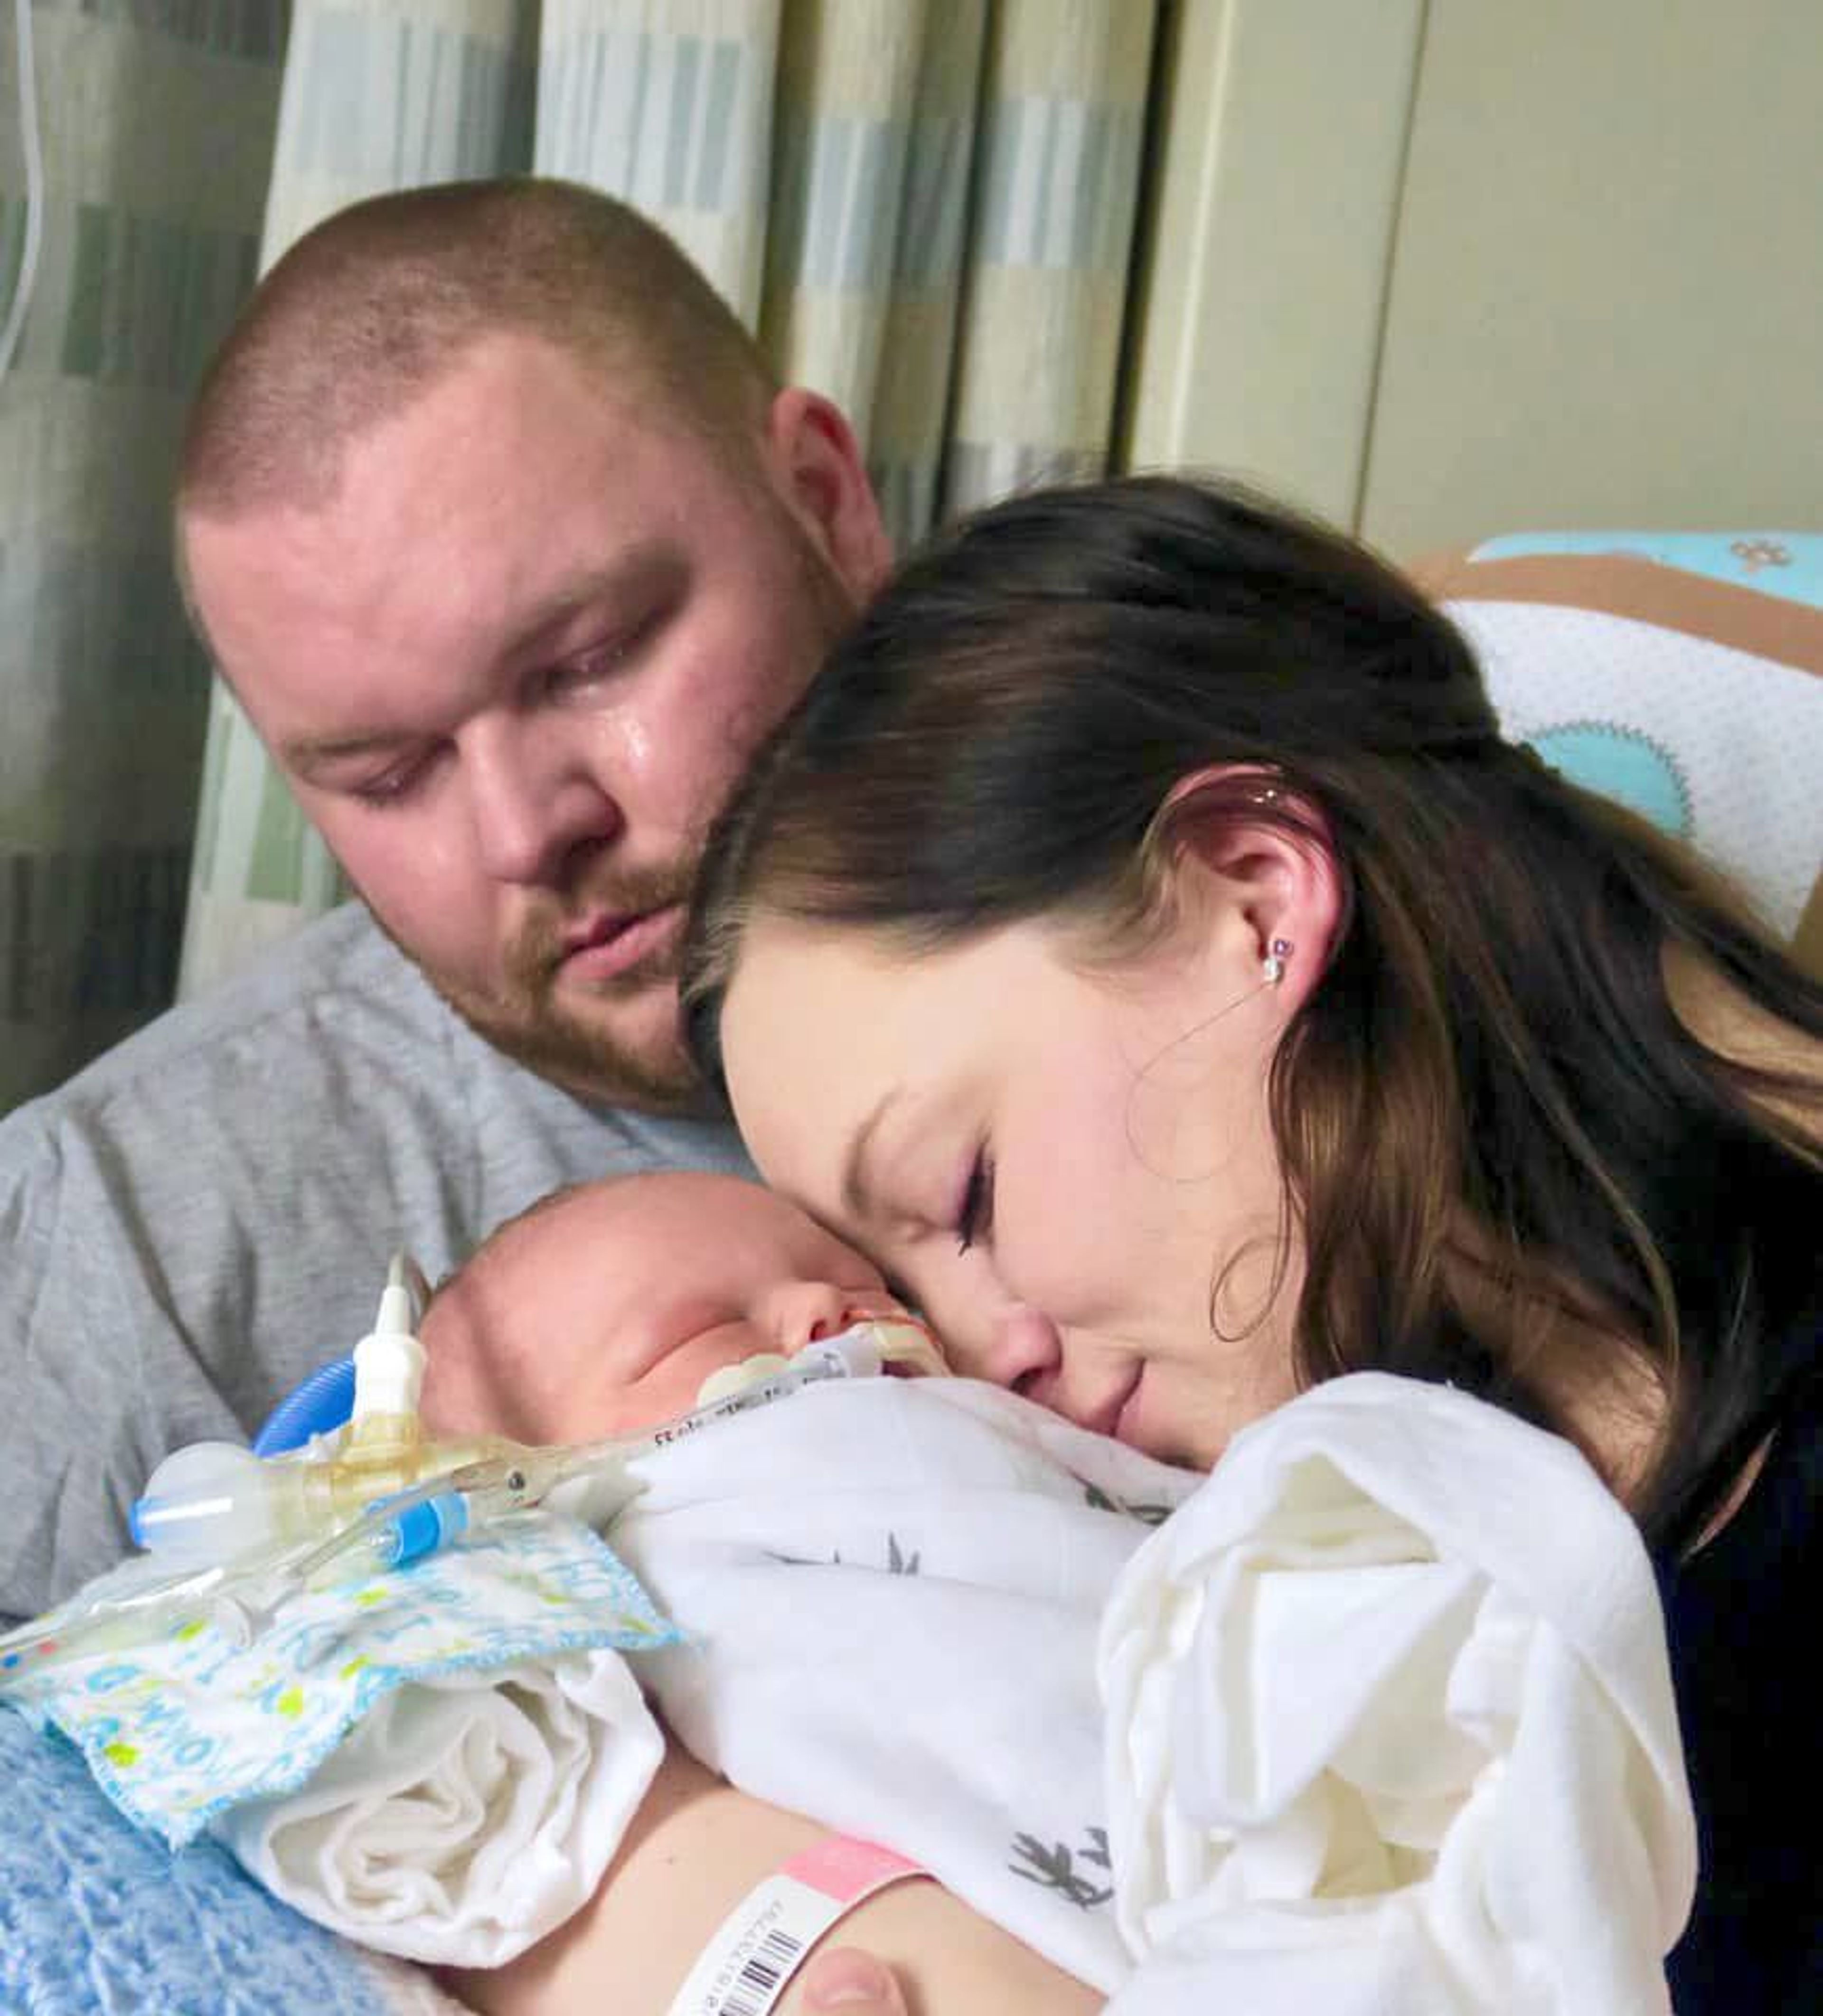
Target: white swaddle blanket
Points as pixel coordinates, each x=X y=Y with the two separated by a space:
x=1386 y=1715
x=1391 y=1730
x=889 y=1593
x=1387 y=1723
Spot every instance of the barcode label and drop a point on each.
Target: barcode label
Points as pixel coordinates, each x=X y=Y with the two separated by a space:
x=758 y=1947
x=764 y=1975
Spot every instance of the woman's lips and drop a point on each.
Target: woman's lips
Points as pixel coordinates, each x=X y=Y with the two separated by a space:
x=609 y=946
x=1127 y=1416
x=1107 y=1419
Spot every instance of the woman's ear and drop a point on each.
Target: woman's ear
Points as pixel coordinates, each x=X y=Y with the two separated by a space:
x=817 y=467
x=1270 y=853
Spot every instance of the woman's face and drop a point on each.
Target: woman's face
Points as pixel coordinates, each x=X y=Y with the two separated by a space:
x=1058 y=1164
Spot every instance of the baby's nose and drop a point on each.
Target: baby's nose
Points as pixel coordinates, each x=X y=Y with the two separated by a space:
x=799 y=1313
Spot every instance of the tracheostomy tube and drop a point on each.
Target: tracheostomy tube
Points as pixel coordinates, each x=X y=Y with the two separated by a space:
x=231 y=1535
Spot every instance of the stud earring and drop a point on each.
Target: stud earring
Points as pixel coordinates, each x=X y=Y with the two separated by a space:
x=1273 y=966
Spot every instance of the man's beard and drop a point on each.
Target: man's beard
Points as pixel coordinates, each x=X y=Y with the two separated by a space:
x=523 y=1017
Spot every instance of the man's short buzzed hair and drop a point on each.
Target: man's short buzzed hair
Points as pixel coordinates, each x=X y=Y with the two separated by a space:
x=374 y=305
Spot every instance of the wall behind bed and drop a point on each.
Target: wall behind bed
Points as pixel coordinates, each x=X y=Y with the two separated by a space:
x=1449 y=269
x=1442 y=268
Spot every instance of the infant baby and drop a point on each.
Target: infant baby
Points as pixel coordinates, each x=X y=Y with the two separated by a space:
x=614 y=1306
x=874 y=1606
x=828 y=1594
x=888 y=1591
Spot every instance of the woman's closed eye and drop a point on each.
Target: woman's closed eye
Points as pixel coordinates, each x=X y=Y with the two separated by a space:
x=975 y=1215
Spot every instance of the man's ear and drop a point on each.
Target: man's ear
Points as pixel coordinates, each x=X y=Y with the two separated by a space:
x=816 y=464
x=1269 y=852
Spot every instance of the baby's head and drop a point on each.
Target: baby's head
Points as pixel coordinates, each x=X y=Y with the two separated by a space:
x=603 y=1308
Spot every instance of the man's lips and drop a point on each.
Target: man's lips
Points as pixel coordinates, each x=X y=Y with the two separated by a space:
x=607 y=944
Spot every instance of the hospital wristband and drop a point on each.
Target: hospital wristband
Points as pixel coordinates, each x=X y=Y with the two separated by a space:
x=760 y=1945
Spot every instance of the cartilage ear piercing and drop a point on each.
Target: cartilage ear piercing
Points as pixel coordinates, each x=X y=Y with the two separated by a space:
x=1273 y=966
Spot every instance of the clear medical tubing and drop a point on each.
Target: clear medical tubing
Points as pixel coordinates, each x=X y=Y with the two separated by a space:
x=304 y=1537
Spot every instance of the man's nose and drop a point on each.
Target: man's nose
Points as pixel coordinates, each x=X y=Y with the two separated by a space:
x=536 y=798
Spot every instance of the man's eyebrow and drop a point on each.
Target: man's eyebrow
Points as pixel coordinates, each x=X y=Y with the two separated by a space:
x=858 y=1198
x=307 y=753
x=621 y=577
x=631 y=570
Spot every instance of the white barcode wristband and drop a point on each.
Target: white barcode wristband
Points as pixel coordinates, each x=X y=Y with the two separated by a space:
x=759 y=1946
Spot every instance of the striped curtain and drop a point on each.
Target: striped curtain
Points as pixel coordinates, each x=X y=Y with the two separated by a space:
x=135 y=140
x=925 y=208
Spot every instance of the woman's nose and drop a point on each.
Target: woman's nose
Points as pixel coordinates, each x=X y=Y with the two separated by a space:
x=1020 y=1348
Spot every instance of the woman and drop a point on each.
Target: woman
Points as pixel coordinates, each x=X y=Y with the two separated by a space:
x=1142 y=942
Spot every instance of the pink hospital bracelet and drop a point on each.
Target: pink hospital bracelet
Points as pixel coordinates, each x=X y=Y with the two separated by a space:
x=760 y=1945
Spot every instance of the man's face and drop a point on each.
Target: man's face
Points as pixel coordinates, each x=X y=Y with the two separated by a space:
x=514 y=666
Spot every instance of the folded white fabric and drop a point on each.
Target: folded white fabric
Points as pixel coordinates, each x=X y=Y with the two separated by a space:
x=1390 y=1726
x=437 y=1760
x=466 y=1815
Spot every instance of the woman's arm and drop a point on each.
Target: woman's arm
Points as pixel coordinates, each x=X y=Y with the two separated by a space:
x=696 y=1846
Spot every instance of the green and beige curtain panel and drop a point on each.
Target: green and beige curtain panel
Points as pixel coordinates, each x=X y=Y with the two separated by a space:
x=926 y=208
x=147 y=172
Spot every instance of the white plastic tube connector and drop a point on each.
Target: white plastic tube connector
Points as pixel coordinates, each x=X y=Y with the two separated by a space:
x=389 y=1361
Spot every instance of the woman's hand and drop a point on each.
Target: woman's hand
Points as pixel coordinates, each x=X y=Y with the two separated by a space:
x=852 y=1983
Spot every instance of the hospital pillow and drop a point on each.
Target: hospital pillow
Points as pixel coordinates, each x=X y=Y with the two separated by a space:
x=1682 y=673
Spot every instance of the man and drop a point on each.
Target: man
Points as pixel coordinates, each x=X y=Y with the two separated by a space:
x=511 y=548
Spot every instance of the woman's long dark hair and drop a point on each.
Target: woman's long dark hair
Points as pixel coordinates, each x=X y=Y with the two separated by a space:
x=1489 y=1109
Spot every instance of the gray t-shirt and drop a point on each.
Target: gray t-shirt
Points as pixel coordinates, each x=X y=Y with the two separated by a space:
x=204 y=1215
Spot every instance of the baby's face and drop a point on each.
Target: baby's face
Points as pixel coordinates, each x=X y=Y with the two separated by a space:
x=606 y=1310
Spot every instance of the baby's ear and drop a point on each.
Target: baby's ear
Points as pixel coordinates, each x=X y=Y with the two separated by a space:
x=444 y=1407
x=464 y=1393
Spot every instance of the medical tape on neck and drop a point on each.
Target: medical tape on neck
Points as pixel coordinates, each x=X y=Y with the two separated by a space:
x=755 y=1951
